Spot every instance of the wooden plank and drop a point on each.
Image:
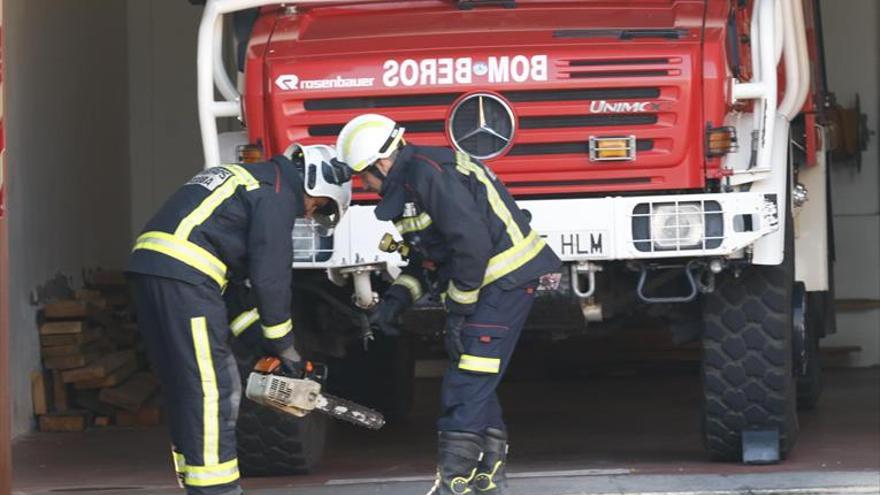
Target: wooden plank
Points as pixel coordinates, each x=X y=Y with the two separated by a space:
x=148 y=415
x=88 y=335
x=70 y=350
x=131 y=394
x=118 y=299
x=73 y=361
x=87 y=295
x=88 y=400
x=62 y=327
x=840 y=350
x=72 y=421
x=126 y=334
x=39 y=393
x=66 y=309
x=115 y=377
x=99 y=369
x=108 y=278
x=59 y=393
x=851 y=305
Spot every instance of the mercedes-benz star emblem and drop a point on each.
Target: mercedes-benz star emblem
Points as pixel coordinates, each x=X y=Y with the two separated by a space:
x=482 y=125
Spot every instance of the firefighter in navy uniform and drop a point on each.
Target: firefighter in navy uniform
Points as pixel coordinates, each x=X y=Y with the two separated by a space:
x=231 y=219
x=470 y=240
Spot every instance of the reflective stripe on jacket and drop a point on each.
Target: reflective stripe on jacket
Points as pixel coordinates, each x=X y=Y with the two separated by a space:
x=455 y=212
x=229 y=219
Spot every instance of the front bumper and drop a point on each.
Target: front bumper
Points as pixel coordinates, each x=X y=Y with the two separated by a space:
x=591 y=229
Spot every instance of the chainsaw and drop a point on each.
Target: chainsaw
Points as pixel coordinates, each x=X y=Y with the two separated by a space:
x=299 y=395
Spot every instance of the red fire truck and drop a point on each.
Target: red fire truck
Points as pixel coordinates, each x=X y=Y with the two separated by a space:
x=671 y=152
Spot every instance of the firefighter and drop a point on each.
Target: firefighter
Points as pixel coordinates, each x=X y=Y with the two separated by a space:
x=470 y=242
x=231 y=221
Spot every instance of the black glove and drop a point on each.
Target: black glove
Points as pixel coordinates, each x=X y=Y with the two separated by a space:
x=454 y=346
x=384 y=317
x=284 y=350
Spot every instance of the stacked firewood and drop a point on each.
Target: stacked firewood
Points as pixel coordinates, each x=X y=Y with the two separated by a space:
x=94 y=371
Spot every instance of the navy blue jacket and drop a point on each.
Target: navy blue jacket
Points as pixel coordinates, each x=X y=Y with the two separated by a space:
x=459 y=217
x=229 y=221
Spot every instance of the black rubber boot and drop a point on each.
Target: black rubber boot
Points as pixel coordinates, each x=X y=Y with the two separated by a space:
x=491 y=476
x=459 y=454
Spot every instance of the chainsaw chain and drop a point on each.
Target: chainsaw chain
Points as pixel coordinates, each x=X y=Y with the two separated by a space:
x=351 y=412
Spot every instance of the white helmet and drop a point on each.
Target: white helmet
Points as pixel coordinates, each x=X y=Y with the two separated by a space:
x=367 y=138
x=323 y=179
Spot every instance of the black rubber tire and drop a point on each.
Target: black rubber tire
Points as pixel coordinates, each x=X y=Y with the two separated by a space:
x=809 y=374
x=272 y=443
x=747 y=369
x=382 y=377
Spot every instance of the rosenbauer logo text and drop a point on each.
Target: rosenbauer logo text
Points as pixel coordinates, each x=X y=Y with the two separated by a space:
x=464 y=70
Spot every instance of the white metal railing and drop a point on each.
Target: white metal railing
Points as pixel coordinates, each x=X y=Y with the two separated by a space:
x=777 y=31
x=211 y=71
x=763 y=86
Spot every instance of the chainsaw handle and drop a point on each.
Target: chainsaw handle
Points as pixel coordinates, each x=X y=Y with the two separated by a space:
x=272 y=365
x=267 y=364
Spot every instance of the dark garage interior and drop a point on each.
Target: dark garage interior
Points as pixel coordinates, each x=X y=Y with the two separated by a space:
x=101 y=125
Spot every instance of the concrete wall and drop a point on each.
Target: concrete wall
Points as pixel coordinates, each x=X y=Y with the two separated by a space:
x=165 y=145
x=852 y=47
x=67 y=141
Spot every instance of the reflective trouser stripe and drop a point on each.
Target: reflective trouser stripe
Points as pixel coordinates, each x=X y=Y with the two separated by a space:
x=462 y=296
x=466 y=166
x=407 y=225
x=509 y=260
x=278 y=331
x=411 y=284
x=179 y=466
x=479 y=364
x=243 y=321
x=184 y=251
x=210 y=393
x=218 y=474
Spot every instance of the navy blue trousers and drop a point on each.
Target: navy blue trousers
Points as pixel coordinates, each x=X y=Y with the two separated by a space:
x=185 y=328
x=469 y=398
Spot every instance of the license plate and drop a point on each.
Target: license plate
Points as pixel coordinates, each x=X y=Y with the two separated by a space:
x=583 y=244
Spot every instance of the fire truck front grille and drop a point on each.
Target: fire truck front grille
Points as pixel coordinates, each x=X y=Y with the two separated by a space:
x=380 y=102
x=586 y=121
x=566 y=148
x=418 y=126
x=581 y=94
x=649 y=103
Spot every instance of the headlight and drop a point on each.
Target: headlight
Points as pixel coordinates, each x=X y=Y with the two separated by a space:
x=677 y=226
x=672 y=226
x=310 y=244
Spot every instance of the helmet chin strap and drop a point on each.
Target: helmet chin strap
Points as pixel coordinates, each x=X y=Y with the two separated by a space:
x=375 y=172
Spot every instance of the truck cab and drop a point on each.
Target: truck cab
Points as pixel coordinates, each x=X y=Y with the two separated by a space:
x=671 y=152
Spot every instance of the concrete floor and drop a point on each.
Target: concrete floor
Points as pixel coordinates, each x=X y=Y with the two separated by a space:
x=591 y=435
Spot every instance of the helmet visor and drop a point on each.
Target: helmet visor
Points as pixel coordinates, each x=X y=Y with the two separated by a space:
x=327 y=216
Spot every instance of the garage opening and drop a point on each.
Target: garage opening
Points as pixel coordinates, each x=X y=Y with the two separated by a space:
x=607 y=390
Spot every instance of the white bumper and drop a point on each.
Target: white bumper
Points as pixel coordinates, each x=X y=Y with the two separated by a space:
x=595 y=229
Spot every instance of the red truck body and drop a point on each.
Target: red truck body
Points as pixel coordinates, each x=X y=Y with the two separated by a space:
x=653 y=69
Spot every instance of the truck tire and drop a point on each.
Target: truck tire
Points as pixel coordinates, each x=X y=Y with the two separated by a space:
x=271 y=443
x=808 y=371
x=382 y=377
x=747 y=370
